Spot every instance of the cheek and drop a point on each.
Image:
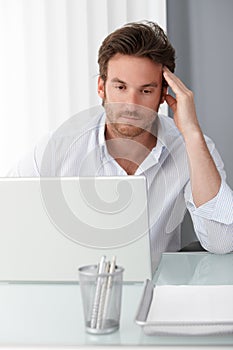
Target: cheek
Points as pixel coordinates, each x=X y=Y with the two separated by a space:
x=112 y=96
x=154 y=103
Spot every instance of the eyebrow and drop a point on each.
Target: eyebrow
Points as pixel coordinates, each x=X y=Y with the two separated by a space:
x=151 y=84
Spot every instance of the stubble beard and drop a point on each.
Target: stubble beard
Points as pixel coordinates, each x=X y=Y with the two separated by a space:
x=129 y=129
x=126 y=130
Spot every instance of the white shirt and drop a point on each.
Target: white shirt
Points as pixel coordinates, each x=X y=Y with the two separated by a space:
x=78 y=148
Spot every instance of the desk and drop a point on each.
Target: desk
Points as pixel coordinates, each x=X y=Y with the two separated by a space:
x=39 y=314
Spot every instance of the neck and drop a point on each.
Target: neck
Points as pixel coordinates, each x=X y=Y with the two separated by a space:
x=129 y=152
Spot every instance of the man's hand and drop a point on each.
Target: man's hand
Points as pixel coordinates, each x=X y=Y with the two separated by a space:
x=182 y=106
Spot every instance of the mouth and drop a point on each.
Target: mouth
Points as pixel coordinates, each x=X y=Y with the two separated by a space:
x=129 y=118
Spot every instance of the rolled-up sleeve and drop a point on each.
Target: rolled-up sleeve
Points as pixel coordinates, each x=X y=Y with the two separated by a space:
x=219 y=209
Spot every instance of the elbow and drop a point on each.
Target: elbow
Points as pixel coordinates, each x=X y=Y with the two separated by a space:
x=220 y=249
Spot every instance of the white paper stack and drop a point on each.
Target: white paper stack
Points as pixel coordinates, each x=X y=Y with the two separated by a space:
x=191 y=309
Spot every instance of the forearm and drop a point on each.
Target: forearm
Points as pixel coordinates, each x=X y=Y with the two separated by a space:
x=204 y=175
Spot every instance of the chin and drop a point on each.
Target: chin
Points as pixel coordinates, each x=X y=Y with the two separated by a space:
x=127 y=130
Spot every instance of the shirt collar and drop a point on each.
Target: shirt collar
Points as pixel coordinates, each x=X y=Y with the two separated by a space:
x=101 y=138
x=101 y=130
x=167 y=133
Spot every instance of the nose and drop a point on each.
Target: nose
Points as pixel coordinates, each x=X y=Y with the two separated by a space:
x=133 y=97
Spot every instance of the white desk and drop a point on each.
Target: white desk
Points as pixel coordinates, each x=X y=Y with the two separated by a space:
x=39 y=314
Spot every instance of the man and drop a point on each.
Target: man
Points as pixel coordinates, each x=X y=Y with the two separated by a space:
x=182 y=167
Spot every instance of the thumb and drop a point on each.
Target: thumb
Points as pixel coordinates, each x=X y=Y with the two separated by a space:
x=171 y=101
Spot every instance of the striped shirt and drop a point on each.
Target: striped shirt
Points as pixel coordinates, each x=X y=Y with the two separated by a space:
x=78 y=148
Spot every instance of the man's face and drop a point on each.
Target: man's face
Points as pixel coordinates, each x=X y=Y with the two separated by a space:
x=131 y=94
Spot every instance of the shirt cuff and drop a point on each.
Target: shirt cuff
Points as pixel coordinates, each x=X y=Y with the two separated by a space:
x=219 y=208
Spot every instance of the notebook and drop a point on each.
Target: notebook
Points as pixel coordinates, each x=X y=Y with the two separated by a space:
x=186 y=309
x=51 y=226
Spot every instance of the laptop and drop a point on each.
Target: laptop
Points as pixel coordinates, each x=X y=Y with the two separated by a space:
x=50 y=227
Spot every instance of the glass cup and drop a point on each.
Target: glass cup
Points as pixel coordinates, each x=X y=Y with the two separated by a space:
x=101 y=296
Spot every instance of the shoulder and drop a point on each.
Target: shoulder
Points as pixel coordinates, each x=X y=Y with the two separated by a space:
x=168 y=124
x=80 y=122
x=68 y=142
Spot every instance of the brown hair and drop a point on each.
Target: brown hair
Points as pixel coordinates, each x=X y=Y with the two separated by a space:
x=138 y=39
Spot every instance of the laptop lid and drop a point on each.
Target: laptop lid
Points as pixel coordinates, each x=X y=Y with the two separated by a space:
x=51 y=226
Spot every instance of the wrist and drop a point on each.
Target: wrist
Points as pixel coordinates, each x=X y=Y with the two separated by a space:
x=193 y=134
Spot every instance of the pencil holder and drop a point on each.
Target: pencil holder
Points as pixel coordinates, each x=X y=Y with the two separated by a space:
x=101 y=296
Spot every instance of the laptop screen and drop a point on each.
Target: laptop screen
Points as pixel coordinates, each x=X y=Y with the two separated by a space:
x=52 y=226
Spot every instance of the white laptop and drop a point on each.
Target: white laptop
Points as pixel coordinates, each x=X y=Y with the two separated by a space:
x=49 y=227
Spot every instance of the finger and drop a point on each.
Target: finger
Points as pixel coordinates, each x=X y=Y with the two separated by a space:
x=173 y=81
x=171 y=101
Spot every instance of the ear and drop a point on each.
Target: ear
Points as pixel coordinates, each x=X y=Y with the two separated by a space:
x=163 y=94
x=101 y=88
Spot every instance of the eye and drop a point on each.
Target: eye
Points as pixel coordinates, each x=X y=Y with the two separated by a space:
x=146 y=91
x=120 y=87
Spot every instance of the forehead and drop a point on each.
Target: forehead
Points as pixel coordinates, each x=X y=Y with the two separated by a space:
x=130 y=68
